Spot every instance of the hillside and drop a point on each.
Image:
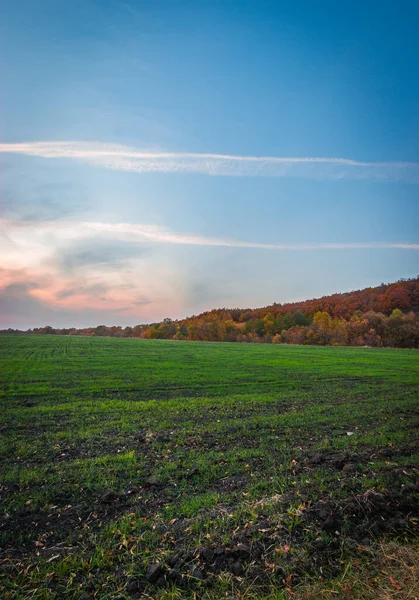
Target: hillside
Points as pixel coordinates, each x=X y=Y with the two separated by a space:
x=386 y=315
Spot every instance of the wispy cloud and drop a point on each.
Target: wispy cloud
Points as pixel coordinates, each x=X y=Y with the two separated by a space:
x=129 y=232
x=80 y=272
x=144 y=161
x=99 y=253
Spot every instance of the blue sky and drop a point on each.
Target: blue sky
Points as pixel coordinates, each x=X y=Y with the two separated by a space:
x=127 y=191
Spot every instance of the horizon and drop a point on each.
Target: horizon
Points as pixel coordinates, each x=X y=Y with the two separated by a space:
x=216 y=309
x=158 y=161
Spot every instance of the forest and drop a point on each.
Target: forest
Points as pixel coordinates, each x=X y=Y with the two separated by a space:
x=382 y=316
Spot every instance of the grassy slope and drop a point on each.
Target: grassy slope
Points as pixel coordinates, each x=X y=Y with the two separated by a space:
x=237 y=449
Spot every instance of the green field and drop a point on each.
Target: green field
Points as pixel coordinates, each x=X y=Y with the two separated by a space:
x=160 y=469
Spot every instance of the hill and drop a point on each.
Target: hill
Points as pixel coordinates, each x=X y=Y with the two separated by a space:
x=385 y=315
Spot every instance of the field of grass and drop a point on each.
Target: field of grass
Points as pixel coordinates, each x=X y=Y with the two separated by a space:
x=157 y=469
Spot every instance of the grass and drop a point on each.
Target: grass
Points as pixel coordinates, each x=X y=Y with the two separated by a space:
x=227 y=465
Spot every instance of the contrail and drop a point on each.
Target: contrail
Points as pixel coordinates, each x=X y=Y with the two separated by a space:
x=128 y=232
x=124 y=158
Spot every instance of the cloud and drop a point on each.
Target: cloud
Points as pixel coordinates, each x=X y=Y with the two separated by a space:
x=136 y=232
x=53 y=272
x=20 y=308
x=17 y=301
x=83 y=272
x=98 y=289
x=98 y=253
x=142 y=301
x=124 y=158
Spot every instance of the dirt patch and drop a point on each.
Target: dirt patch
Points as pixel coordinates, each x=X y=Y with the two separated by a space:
x=365 y=516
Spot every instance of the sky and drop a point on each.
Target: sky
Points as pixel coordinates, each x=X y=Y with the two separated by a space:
x=159 y=159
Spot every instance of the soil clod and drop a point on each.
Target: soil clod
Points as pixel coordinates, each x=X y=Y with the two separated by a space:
x=154 y=572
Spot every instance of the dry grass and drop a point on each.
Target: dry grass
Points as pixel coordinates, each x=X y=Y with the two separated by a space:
x=399 y=572
x=393 y=573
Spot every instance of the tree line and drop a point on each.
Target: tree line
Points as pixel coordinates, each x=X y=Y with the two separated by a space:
x=383 y=316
